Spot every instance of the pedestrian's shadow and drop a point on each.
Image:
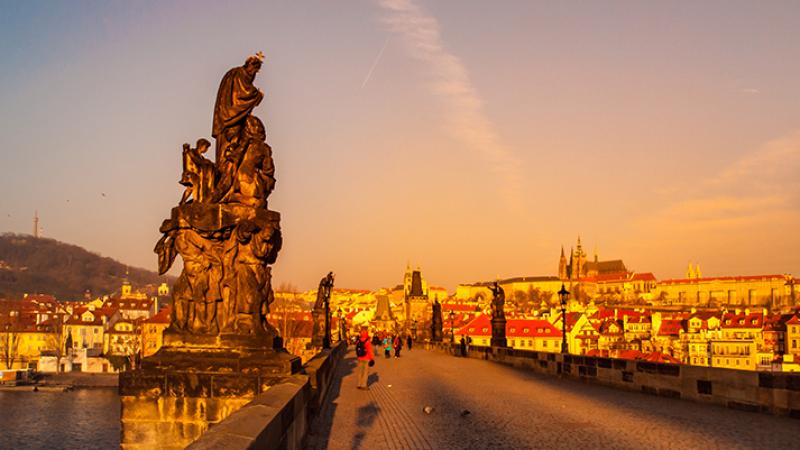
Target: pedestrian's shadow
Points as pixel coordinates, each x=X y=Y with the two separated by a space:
x=372 y=378
x=364 y=420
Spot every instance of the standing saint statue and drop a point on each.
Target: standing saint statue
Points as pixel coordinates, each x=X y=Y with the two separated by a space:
x=498 y=316
x=498 y=301
x=236 y=98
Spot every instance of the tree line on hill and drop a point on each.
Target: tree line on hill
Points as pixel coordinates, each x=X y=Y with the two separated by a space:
x=46 y=266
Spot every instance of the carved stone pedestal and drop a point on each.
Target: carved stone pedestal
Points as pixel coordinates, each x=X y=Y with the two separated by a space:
x=179 y=392
x=318 y=328
x=499 y=333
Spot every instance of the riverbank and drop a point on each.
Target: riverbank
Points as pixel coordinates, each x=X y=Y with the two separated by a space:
x=60 y=382
x=80 y=380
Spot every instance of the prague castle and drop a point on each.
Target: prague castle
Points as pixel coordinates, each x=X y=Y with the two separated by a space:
x=579 y=267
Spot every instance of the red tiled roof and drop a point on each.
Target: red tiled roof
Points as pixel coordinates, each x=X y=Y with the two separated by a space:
x=531 y=328
x=647 y=276
x=752 y=320
x=609 y=277
x=605 y=327
x=458 y=307
x=515 y=328
x=162 y=317
x=670 y=328
x=128 y=304
x=479 y=326
x=661 y=358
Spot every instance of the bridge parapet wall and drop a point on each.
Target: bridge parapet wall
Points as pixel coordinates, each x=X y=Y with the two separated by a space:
x=773 y=393
x=278 y=418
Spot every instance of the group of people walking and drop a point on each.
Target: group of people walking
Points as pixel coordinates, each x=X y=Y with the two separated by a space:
x=390 y=343
x=367 y=349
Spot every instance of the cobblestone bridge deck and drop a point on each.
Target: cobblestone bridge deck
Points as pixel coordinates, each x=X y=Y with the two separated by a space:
x=514 y=409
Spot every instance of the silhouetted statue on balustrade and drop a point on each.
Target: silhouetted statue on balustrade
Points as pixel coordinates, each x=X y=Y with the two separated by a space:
x=498 y=316
x=436 y=322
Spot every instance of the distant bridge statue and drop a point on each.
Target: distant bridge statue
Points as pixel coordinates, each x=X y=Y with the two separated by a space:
x=321 y=314
x=436 y=322
x=498 y=316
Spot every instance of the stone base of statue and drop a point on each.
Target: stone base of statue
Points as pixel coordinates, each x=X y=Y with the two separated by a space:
x=437 y=334
x=194 y=382
x=318 y=327
x=219 y=351
x=499 y=333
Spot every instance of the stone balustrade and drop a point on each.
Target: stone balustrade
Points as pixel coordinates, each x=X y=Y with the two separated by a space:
x=278 y=418
x=773 y=393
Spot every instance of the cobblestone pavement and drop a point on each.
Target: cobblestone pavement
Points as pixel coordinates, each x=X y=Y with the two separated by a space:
x=514 y=409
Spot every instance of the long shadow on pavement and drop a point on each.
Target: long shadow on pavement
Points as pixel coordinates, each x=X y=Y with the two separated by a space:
x=452 y=397
x=321 y=426
x=366 y=417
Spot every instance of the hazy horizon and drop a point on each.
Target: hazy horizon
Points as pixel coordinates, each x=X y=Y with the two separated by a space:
x=467 y=138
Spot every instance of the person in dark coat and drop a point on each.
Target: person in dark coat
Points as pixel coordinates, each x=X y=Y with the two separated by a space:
x=398 y=345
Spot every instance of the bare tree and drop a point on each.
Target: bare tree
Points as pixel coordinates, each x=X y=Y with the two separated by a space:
x=56 y=337
x=9 y=345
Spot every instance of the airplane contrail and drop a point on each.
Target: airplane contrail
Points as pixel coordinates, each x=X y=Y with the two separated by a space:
x=374 y=64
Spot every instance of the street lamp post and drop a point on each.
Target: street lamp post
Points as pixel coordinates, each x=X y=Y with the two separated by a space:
x=452 y=327
x=326 y=340
x=341 y=325
x=563 y=295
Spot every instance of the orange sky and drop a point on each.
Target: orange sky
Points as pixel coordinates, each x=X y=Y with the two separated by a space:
x=470 y=139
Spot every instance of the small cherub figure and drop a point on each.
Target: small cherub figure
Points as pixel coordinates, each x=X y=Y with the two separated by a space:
x=198 y=173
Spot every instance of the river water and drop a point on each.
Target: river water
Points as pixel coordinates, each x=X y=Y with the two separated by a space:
x=81 y=419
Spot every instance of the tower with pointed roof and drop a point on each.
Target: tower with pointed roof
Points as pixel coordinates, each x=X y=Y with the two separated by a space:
x=415 y=298
x=126 y=290
x=562 y=266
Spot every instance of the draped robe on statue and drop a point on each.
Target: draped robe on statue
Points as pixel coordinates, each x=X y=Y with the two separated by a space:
x=236 y=98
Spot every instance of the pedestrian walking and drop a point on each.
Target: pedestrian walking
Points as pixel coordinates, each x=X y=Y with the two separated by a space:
x=463 y=344
x=365 y=358
x=398 y=345
x=387 y=346
x=408 y=342
x=376 y=343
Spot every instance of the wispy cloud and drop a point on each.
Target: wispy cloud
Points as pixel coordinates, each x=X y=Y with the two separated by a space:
x=465 y=118
x=750 y=91
x=763 y=186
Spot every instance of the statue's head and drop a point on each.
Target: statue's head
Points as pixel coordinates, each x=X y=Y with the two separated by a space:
x=253 y=63
x=203 y=145
x=254 y=128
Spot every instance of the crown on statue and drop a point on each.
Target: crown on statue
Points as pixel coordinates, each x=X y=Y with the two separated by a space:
x=259 y=56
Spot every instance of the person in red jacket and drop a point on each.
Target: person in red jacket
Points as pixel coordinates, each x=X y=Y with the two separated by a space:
x=365 y=358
